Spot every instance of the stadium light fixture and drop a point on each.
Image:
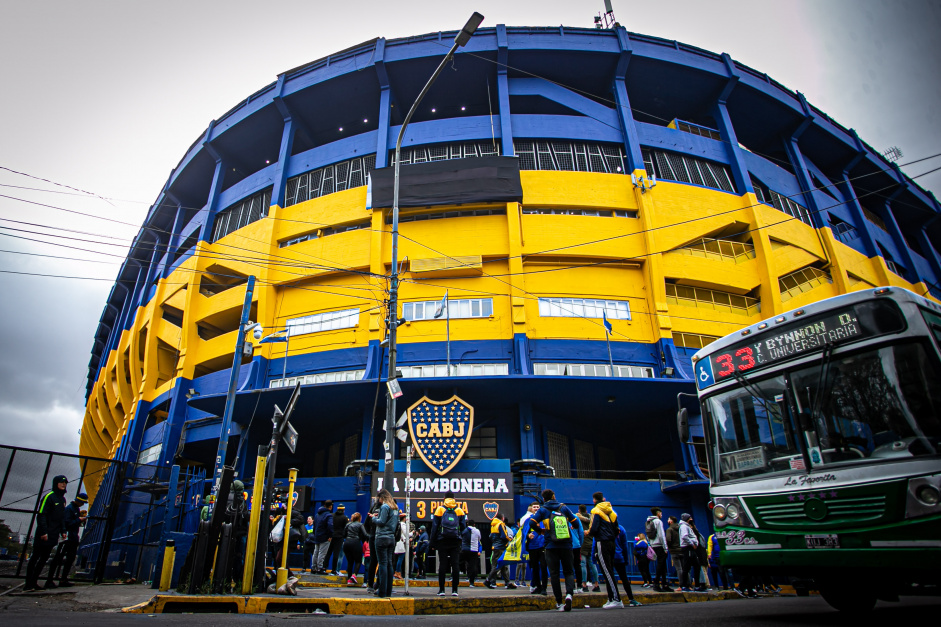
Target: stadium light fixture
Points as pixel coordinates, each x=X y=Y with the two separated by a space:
x=459 y=41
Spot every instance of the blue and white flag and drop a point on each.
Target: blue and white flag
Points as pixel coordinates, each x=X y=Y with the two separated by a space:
x=607 y=325
x=442 y=306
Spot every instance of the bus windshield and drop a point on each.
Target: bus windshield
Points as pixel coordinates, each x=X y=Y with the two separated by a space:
x=877 y=405
x=754 y=430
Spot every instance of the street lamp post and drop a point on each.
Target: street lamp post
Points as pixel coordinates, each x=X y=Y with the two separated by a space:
x=462 y=38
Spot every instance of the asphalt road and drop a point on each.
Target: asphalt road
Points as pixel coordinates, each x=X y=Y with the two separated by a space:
x=774 y=612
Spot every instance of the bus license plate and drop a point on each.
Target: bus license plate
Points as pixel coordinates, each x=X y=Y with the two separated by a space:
x=823 y=542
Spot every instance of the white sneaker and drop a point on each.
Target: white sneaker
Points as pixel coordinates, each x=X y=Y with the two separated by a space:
x=567 y=606
x=560 y=607
x=613 y=605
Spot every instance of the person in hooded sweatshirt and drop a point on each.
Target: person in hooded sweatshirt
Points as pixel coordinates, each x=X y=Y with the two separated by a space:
x=447 y=526
x=50 y=526
x=74 y=520
x=688 y=544
x=557 y=521
x=656 y=537
x=620 y=564
x=500 y=538
x=604 y=531
x=535 y=542
x=323 y=534
x=672 y=537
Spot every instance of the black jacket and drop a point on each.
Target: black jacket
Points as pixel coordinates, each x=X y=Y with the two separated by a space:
x=339 y=525
x=50 y=521
x=355 y=531
x=72 y=523
x=673 y=539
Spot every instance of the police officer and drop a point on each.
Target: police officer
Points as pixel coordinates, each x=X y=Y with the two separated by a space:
x=49 y=527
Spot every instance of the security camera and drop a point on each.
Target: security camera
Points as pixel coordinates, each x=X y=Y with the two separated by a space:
x=257 y=332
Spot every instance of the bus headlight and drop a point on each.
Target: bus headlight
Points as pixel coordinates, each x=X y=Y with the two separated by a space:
x=730 y=511
x=928 y=494
x=924 y=496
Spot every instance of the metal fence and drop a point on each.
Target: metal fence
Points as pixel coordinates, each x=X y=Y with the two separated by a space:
x=127 y=512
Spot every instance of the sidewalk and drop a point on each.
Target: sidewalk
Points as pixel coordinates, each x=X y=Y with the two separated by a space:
x=328 y=595
x=325 y=594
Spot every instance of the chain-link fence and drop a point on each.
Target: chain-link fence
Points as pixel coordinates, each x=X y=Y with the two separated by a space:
x=128 y=513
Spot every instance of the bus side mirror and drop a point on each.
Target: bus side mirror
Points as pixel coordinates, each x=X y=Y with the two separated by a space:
x=682 y=424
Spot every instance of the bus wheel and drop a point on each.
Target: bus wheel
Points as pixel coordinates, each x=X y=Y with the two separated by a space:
x=848 y=599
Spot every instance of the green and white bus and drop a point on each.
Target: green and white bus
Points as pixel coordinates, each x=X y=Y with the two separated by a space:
x=823 y=432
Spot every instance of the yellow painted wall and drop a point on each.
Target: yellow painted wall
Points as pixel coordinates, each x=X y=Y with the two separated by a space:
x=524 y=256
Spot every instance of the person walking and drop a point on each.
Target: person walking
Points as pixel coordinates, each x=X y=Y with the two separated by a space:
x=604 y=531
x=578 y=537
x=556 y=520
x=470 y=550
x=672 y=537
x=702 y=559
x=310 y=547
x=688 y=544
x=621 y=553
x=536 y=548
x=421 y=551
x=50 y=527
x=641 y=546
x=386 y=522
x=74 y=520
x=401 y=545
x=500 y=538
x=372 y=564
x=524 y=555
x=447 y=527
x=720 y=576
x=354 y=536
x=323 y=533
x=589 y=570
x=335 y=552
x=656 y=538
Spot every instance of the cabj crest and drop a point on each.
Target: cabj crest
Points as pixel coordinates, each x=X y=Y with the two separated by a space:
x=441 y=431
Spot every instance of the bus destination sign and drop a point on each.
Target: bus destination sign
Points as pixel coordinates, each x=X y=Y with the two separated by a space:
x=788 y=341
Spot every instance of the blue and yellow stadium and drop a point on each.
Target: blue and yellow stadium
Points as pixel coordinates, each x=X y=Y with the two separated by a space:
x=587 y=180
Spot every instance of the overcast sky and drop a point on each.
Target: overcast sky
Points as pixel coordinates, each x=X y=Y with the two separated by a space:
x=106 y=96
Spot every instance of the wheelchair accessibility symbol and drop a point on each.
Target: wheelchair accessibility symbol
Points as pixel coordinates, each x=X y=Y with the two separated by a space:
x=704 y=376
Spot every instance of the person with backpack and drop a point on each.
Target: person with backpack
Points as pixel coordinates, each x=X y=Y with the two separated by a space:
x=421 y=551
x=387 y=528
x=657 y=540
x=447 y=526
x=556 y=521
x=500 y=538
x=643 y=562
x=470 y=550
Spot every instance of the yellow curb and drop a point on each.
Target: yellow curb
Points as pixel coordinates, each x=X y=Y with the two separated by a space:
x=398 y=606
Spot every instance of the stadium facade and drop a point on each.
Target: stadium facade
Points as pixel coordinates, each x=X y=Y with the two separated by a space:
x=682 y=193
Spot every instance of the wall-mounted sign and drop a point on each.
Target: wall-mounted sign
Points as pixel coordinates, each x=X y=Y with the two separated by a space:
x=441 y=431
x=481 y=494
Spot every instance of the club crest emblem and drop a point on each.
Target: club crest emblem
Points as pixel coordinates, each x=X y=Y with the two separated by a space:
x=490 y=509
x=441 y=431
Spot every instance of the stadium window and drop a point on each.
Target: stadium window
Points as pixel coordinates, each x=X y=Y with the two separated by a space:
x=483 y=444
x=568 y=156
x=623 y=371
x=150 y=455
x=327 y=321
x=458 y=308
x=329 y=179
x=241 y=214
x=671 y=166
x=446 y=152
x=584 y=308
x=558 y=445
